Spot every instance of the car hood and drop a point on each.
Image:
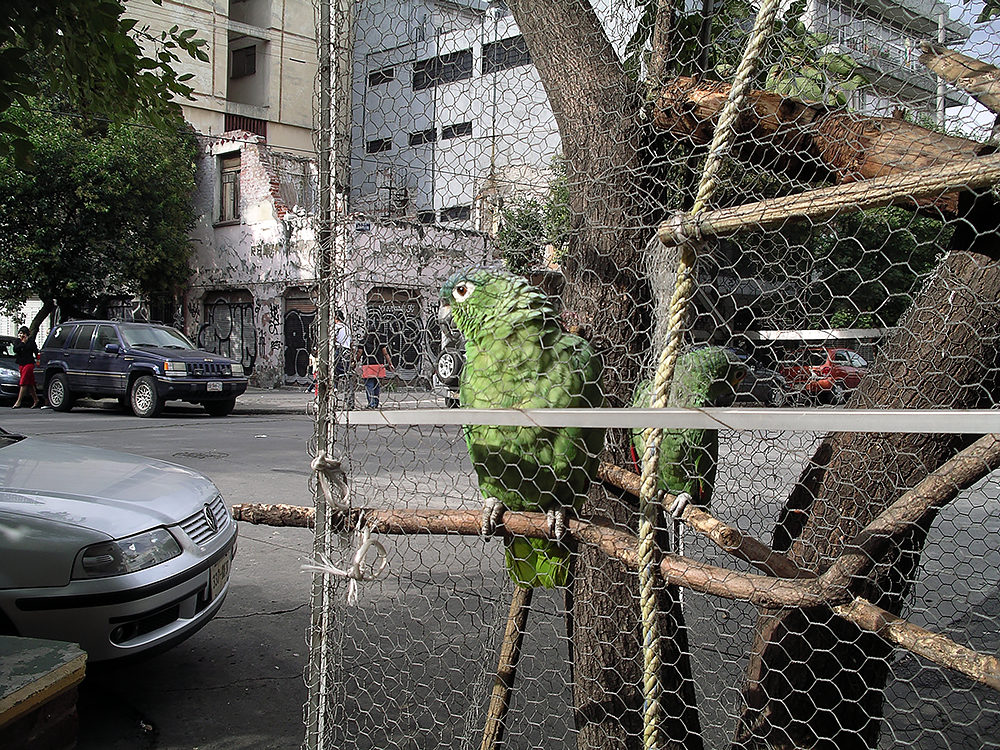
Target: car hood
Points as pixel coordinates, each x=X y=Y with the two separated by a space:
x=187 y=355
x=116 y=493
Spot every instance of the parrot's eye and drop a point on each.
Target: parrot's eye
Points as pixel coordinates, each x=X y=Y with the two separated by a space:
x=463 y=290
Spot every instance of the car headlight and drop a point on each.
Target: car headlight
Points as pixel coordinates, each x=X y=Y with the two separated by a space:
x=237 y=370
x=6 y=372
x=175 y=368
x=126 y=555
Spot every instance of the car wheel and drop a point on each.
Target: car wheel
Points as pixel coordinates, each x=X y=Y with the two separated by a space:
x=777 y=398
x=146 y=401
x=58 y=394
x=451 y=403
x=839 y=394
x=449 y=366
x=220 y=408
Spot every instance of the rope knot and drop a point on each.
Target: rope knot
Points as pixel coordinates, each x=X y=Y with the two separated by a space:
x=680 y=229
x=331 y=475
x=358 y=569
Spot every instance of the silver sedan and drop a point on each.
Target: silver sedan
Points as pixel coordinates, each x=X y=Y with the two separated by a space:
x=121 y=554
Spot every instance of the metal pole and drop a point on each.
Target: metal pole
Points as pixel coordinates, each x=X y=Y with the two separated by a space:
x=942 y=20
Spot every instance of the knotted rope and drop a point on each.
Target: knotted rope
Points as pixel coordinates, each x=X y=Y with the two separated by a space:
x=331 y=476
x=679 y=304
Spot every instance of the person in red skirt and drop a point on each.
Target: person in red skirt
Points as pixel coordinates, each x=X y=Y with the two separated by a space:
x=25 y=353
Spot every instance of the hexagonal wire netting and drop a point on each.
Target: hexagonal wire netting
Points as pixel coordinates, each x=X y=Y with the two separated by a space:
x=832 y=253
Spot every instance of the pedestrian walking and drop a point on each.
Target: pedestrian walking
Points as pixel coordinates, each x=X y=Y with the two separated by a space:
x=25 y=354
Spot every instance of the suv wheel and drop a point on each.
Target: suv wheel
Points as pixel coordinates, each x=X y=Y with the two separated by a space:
x=146 y=401
x=58 y=394
x=220 y=408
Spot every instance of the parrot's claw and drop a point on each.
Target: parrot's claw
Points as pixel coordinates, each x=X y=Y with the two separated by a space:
x=557 y=522
x=680 y=503
x=493 y=511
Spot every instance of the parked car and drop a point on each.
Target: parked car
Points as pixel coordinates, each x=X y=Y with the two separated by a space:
x=762 y=384
x=10 y=373
x=449 y=365
x=824 y=374
x=143 y=365
x=121 y=554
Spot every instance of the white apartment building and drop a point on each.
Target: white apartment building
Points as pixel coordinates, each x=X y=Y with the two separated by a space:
x=883 y=36
x=449 y=113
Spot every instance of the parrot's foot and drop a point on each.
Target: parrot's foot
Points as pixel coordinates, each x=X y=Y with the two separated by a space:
x=676 y=509
x=557 y=522
x=493 y=511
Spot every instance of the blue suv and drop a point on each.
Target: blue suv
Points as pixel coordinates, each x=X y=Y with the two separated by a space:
x=141 y=364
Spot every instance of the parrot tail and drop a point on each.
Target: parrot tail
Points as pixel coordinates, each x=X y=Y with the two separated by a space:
x=537 y=562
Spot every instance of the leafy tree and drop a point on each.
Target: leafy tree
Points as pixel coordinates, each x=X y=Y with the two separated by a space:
x=103 y=209
x=528 y=224
x=87 y=51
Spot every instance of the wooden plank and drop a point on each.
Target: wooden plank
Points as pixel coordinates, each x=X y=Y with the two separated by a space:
x=34 y=671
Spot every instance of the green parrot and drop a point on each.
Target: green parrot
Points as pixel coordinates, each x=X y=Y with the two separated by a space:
x=688 y=457
x=518 y=356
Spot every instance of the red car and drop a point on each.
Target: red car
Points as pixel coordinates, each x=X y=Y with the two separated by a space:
x=824 y=374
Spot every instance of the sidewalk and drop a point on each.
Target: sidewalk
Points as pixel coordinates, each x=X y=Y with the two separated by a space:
x=296 y=400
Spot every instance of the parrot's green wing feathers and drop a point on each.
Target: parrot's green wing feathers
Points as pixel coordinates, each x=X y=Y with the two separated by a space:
x=518 y=356
x=688 y=457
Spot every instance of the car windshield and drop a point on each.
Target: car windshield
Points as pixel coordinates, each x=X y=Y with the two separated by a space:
x=817 y=357
x=6 y=348
x=164 y=338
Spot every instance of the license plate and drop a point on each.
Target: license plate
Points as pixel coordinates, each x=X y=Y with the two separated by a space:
x=218 y=576
x=215 y=386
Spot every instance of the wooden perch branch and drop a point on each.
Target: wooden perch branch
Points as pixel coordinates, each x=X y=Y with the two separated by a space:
x=784 y=586
x=818 y=205
x=979 y=79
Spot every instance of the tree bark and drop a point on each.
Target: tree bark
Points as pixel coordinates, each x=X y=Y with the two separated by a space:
x=614 y=207
x=944 y=354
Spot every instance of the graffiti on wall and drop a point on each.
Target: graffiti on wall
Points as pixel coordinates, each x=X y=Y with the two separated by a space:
x=228 y=330
x=399 y=324
x=299 y=341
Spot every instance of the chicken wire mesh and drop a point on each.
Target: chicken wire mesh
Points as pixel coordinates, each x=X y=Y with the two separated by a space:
x=840 y=240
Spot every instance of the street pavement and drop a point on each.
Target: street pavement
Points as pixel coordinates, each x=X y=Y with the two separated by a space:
x=239 y=682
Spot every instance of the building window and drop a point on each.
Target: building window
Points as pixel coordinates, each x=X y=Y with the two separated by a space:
x=244 y=62
x=229 y=205
x=378 y=145
x=426 y=217
x=456 y=131
x=249 y=124
x=456 y=66
x=456 y=213
x=378 y=77
x=423 y=136
x=505 y=54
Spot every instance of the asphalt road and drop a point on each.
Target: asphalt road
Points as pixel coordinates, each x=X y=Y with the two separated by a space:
x=414 y=652
x=237 y=683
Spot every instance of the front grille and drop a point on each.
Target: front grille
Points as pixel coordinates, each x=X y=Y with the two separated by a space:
x=210 y=369
x=197 y=527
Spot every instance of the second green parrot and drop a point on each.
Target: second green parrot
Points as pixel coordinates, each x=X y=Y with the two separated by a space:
x=519 y=357
x=688 y=457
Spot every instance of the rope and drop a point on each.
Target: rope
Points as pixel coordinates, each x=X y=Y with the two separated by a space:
x=331 y=476
x=649 y=498
x=358 y=570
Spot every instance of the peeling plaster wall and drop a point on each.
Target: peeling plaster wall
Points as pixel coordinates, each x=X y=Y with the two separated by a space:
x=381 y=264
x=245 y=272
x=266 y=253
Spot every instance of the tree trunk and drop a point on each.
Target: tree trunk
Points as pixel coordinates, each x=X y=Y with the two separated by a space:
x=614 y=211
x=944 y=354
